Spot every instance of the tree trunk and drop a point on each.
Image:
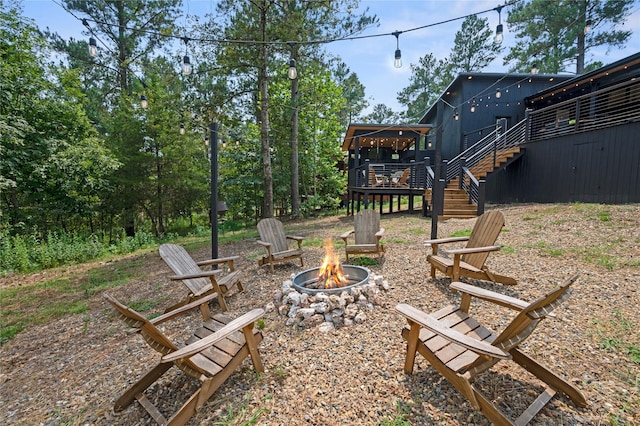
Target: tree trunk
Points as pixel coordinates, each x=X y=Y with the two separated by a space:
x=267 y=210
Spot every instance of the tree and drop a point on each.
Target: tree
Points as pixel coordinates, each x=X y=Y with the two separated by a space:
x=353 y=92
x=428 y=79
x=554 y=33
x=53 y=166
x=380 y=114
x=269 y=23
x=474 y=49
x=128 y=33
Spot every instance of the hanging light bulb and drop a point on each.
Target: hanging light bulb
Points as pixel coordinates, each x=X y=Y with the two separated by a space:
x=499 y=28
x=143 y=102
x=534 y=68
x=498 y=93
x=473 y=106
x=182 y=128
x=455 y=114
x=587 y=26
x=293 y=72
x=499 y=32
x=397 y=61
x=186 y=65
x=206 y=140
x=93 y=47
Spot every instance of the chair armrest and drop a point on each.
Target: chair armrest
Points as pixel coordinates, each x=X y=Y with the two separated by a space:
x=490 y=296
x=233 y=326
x=202 y=274
x=296 y=239
x=427 y=321
x=346 y=235
x=182 y=309
x=218 y=261
x=472 y=250
x=380 y=233
x=427 y=243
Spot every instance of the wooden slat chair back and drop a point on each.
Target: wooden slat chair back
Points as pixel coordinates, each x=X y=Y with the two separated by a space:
x=212 y=354
x=272 y=231
x=201 y=282
x=485 y=232
x=461 y=349
x=374 y=179
x=274 y=239
x=470 y=260
x=367 y=234
x=401 y=179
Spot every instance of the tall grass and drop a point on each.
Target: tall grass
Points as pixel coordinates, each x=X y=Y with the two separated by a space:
x=29 y=253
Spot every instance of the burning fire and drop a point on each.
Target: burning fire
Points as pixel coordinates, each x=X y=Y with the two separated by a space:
x=331 y=270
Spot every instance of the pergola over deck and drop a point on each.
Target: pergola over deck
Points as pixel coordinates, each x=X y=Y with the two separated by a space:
x=385 y=160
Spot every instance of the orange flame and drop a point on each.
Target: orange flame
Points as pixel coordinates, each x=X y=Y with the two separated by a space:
x=331 y=270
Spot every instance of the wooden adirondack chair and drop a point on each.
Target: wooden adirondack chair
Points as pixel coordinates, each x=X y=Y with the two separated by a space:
x=214 y=352
x=199 y=282
x=367 y=234
x=275 y=241
x=461 y=349
x=375 y=179
x=399 y=180
x=469 y=261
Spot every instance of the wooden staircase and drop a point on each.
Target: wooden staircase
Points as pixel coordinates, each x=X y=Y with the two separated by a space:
x=456 y=201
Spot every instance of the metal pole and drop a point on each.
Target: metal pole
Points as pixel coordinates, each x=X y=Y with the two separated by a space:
x=438 y=185
x=213 y=128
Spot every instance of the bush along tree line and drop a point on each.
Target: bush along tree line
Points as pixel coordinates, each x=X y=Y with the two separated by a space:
x=86 y=170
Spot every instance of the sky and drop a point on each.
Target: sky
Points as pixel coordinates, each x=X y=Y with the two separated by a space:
x=371 y=58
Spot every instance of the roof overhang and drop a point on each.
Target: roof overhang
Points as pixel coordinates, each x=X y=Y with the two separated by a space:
x=396 y=136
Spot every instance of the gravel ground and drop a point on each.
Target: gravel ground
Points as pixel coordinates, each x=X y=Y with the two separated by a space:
x=71 y=370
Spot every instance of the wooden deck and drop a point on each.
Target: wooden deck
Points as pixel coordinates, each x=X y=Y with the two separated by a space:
x=361 y=196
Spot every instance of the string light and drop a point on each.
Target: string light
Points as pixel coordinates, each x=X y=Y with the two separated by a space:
x=143 y=102
x=498 y=93
x=397 y=61
x=182 y=128
x=499 y=28
x=186 y=62
x=293 y=72
x=534 y=69
x=93 y=47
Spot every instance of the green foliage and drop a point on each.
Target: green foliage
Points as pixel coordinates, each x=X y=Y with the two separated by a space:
x=551 y=31
x=31 y=253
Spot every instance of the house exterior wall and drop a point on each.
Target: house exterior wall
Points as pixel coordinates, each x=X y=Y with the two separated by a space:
x=481 y=88
x=602 y=166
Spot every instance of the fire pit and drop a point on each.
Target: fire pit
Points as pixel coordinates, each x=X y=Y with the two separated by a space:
x=311 y=281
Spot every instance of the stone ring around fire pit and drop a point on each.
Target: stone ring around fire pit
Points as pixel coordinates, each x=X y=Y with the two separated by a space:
x=308 y=281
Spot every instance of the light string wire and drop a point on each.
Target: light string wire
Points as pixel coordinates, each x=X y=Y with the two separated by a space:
x=323 y=41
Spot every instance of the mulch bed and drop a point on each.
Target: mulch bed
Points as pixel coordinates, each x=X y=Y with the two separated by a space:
x=70 y=370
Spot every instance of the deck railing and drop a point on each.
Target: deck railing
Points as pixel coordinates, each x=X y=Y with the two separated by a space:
x=419 y=176
x=612 y=106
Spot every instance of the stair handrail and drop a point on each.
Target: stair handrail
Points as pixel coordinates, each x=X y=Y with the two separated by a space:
x=509 y=139
x=454 y=165
x=470 y=185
